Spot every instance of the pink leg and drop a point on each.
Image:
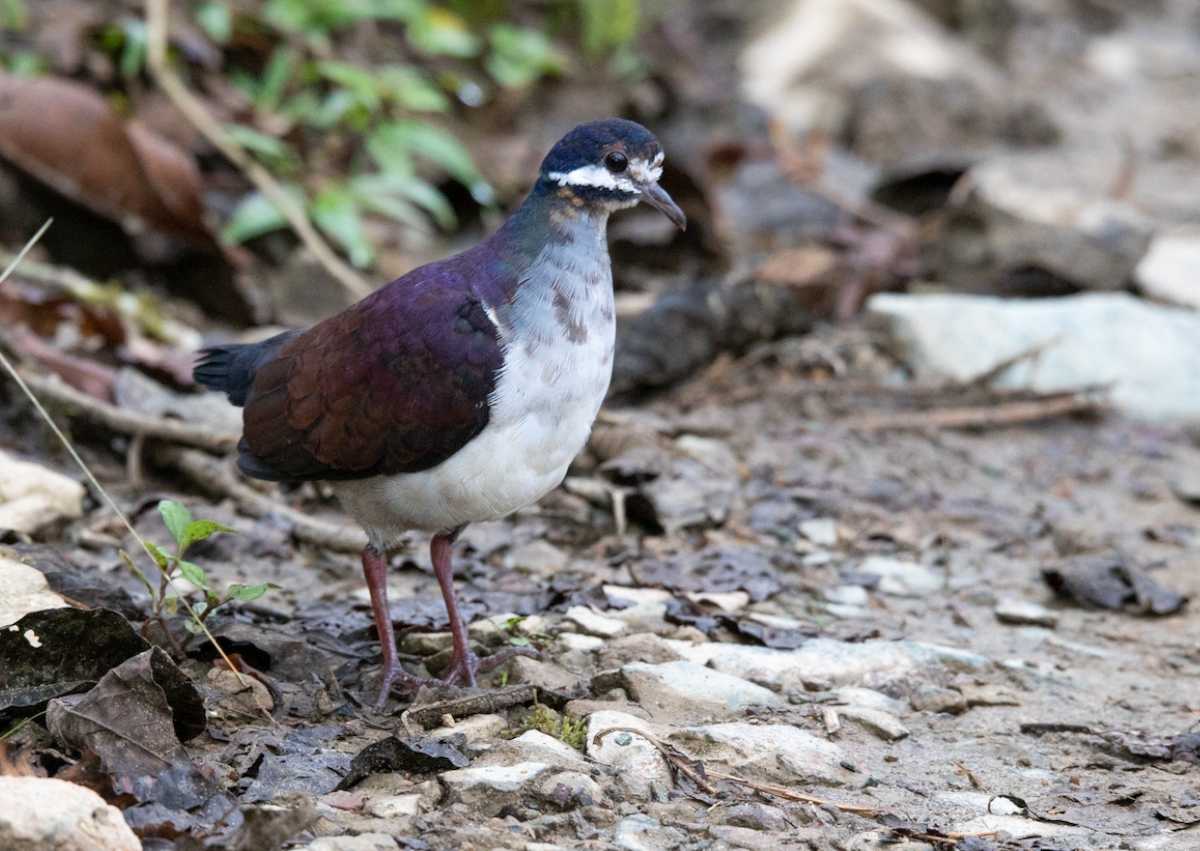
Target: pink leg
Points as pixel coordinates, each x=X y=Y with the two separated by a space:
x=463 y=664
x=375 y=570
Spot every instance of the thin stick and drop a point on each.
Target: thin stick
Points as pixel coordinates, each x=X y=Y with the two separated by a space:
x=975 y=417
x=194 y=111
x=784 y=792
x=12 y=371
x=215 y=476
x=117 y=419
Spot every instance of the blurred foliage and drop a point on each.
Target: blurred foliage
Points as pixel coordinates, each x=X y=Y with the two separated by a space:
x=346 y=100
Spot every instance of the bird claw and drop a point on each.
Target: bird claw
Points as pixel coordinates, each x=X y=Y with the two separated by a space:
x=462 y=672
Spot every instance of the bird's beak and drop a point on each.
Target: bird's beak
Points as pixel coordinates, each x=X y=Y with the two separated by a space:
x=656 y=197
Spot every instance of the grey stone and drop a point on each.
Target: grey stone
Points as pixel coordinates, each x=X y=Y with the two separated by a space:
x=361 y=842
x=43 y=814
x=869 y=698
x=931 y=698
x=641 y=647
x=536 y=746
x=1024 y=613
x=570 y=789
x=903 y=578
x=489 y=788
x=640 y=767
x=594 y=623
x=1186 y=487
x=1149 y=354
x=822 y=531
x=1168 y=271
x=540 y=557
x=675 y=690
x=883 y=724
x=776 y=753
x=642 y=833
x=394 y=806
x=824 y=659
x=754 y=816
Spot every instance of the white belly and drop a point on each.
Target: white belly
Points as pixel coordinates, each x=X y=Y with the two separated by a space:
x=541 y=412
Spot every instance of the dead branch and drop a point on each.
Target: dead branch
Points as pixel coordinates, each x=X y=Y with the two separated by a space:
x=784 y=792
x=194 y=111
x=218 y=478
x=126 y=422
x=984 y=416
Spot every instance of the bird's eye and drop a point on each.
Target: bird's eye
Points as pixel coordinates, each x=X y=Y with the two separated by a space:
x=616 y=162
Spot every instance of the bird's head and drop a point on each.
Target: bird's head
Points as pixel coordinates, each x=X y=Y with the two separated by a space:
x=614 y=163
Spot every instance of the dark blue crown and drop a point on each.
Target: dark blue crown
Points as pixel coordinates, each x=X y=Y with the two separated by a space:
x=587 y=144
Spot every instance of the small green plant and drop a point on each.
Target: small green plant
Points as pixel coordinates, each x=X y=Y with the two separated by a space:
x=568 y=729
x=174 y=566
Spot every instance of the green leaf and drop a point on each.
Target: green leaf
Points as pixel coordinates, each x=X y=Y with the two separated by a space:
x=402 y=197
x=13 y=15
x=133 y=55
x=519 y=56
x=177 y=518
x=216 y=20
x=193 y=627
x=517 y=641
x=432 y=143
x=171 y=604
x=254 y=216
x=247 y=593
x=198 y=530
x=276 y=75
x=360 y=82
x=258 y=143
x=409 y=87
x=194 y=574
x=336 y=212
x=198 y=609
x=441 y=32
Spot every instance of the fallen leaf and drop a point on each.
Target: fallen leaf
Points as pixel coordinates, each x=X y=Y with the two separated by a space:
x=1111 y=582
x=418 y=755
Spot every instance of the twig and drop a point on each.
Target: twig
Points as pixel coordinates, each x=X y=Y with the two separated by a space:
x=1031 y=353
x=194 y=111
x=784 y=792
x=973 y=417
x=125 y=422
x=215 y=476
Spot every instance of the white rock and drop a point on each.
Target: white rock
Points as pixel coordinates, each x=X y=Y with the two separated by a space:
x=685 y=689
x=641 y=833
x=25 y=591
x=773 y=752
x=823 y=659
x=727 y=601
x=1148 y=353
x=869 y=698
x=361 y=842
x=640 y=767
x=492 y=785
x=578 y=641
x=540 y=557
x=42 y=814
x=622 y=595
x=33 y=497
x=903 y=578
x=595 y=623
x=393 y=806
x=1025 y=613
x=847 y=595
x=537 y=746
x=1170 y=269
x=822 y=531
x=881 y=723
x=474 y=727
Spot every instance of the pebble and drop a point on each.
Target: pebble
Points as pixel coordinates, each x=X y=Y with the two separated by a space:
x=931 y=698
x=640 y=768
x=537 y=746
x=622 y=596
x=426 y=643
x=1025 y=613
x=1186 y=488
x=393 y=806
x=903 y=578
x=580 y=642
x=33 y=497
x=43 y=814
x=642 y=833
x=474 y=727
x=681 y=689
x=361 y=842
x=1167 y=271
x=776 y=753
x=728 y=601
x=754 y=816
x=822 y=531
x=988 y=694
x=489 y=788
x=570 y=789
x=869 y=698
x=882 y=724
x=594 y=623
x=539 y=557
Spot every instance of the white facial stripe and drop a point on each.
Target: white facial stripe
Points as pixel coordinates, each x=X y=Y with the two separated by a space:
x=598 y=175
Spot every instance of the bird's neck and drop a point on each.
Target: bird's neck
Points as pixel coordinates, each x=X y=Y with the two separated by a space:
x=557 y=214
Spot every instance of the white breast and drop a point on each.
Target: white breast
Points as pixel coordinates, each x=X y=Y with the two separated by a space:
x=557 y=338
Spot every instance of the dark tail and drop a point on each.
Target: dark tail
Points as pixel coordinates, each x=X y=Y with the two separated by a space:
x=230 y=368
